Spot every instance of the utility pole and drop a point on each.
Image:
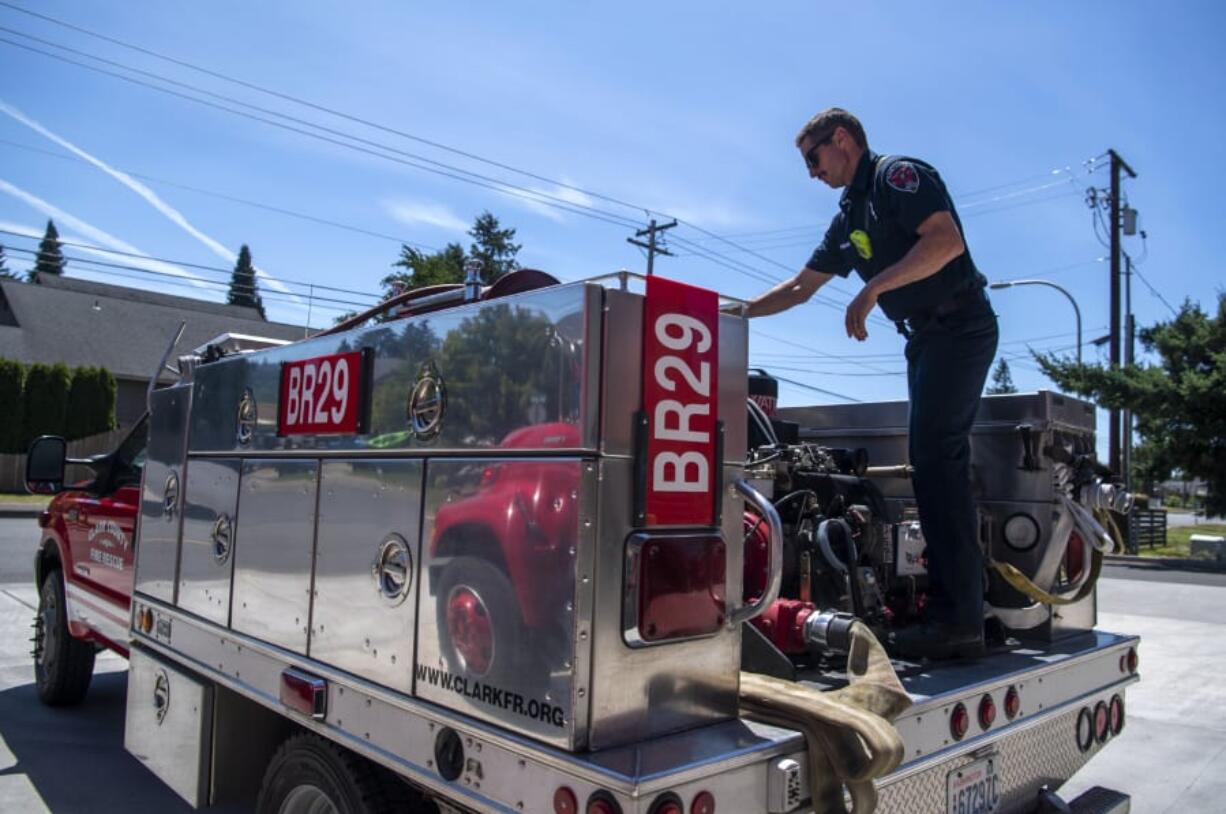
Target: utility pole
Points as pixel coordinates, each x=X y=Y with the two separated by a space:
x=1117 y=164
x=651 y=246
x=1129 y=336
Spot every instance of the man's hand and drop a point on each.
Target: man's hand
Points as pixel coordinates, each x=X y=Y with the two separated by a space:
x=858 y=311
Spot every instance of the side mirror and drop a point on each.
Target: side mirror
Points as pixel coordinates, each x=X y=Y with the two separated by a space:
x=45 y=465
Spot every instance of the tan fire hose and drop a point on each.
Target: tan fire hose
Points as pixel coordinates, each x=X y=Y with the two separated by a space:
x=1022 y=584
x=851 y=740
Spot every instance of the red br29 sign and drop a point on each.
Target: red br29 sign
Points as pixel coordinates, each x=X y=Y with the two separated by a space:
x=680 y=401
x=323 y=395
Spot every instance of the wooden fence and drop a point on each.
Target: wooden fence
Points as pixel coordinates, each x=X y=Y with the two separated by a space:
x=1146 y=527
x=13 y=466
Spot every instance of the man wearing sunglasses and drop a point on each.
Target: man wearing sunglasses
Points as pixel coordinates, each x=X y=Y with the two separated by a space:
x=897 y=227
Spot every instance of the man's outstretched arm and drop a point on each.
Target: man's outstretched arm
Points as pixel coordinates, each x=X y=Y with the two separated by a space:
x=790 y=292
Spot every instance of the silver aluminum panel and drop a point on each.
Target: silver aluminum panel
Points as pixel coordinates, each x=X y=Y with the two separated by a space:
x=161 y=507
x=641 y=693
x=497 y=634
x=622 y=380
x=274 y=542
x=996 y=439
x=506 y=363
x=361 y=623
x=210 y=514
x=168 y=724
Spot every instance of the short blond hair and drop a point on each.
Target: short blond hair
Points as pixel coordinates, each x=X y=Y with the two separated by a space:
x=829 y=119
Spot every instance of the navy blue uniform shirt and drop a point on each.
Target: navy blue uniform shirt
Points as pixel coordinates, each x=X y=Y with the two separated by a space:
x=887 y=200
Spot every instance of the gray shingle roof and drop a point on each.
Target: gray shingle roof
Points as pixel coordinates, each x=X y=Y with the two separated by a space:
x=125 y=330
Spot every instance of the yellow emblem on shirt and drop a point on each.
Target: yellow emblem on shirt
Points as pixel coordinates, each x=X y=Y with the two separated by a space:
x=864 y=246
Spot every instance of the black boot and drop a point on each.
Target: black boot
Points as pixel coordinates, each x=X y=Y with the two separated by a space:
x=937 y=640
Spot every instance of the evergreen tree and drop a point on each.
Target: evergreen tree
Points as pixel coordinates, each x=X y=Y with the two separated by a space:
x=1177 y=402
x=4 y=269
x=1002 y=380
x=50 y=258
x=492 y=245
x=243 y=287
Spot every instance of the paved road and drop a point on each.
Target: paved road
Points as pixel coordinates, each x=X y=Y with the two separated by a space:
x=1168 y=757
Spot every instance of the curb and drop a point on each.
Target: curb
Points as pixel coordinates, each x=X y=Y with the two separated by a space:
x=20 y=510
x=1171 y=563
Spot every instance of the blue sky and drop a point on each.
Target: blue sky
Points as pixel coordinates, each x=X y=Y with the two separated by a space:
x=685 y=109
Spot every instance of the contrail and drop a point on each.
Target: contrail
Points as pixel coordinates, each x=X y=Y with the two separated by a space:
x=151 y=197
x=98 y=236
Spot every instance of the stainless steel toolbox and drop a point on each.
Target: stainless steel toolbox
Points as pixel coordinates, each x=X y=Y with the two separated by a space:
x=468 y=543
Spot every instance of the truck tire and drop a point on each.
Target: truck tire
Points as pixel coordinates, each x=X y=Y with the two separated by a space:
x=480 y=626
x=63 y=666
x=311 y=775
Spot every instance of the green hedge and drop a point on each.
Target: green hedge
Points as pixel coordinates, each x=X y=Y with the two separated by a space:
x=91 y=403
x=52 y=400
x=12 y=405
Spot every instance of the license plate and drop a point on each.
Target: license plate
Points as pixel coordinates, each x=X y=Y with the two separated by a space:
x=323 y=395
x=974 y=788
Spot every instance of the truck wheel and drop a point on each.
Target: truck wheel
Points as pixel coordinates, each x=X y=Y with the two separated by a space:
x=311 y=775
x=63 y=666
x=480 y=625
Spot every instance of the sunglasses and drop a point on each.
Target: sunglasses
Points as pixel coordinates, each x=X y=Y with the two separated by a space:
x=812 y=159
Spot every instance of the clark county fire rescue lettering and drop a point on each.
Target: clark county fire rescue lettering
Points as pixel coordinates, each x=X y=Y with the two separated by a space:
x=680 y=365
x=493 y=696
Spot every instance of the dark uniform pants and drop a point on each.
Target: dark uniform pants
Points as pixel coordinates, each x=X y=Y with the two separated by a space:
x=947 y=364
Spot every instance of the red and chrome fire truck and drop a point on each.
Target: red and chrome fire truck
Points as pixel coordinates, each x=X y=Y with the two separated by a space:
x=510 y=550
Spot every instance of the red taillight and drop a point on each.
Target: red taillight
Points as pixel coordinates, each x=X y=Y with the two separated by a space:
x=602 y=803
x=1074 y=557
x=1132 y=660
x=704 y=803
x=1117 y=714
x=959 y=722
x=987 y=712
x=680 y=581
x=565 y=802
x=1102 y=722
x=304 y=693
x=1085 y=730
x=667 y=803
x=1013 y=703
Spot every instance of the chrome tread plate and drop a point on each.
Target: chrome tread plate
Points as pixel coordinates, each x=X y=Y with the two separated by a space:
x=1044 y=754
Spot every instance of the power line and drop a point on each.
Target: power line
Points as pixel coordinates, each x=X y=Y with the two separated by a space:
x=414 y=161
x=438 y=168
x=1155 y=292
x=195 y=283
x=223 y=196
x=804 y=386
x=183 y=263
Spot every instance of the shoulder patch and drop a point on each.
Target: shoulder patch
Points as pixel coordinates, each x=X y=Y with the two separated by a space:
x=903 y=176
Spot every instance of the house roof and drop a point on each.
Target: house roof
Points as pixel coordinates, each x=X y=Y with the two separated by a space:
x=125 y=330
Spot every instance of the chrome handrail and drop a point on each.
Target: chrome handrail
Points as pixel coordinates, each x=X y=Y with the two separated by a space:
x=774 y=577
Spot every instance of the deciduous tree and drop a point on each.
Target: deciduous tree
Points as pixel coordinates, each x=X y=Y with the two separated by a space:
x=1179 y=402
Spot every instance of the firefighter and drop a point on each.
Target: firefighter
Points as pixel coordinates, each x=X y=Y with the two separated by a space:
x=897 y=227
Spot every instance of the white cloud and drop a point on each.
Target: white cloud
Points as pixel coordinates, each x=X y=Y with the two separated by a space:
x=93 y=235
x=150 y=197
x=414 y=213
